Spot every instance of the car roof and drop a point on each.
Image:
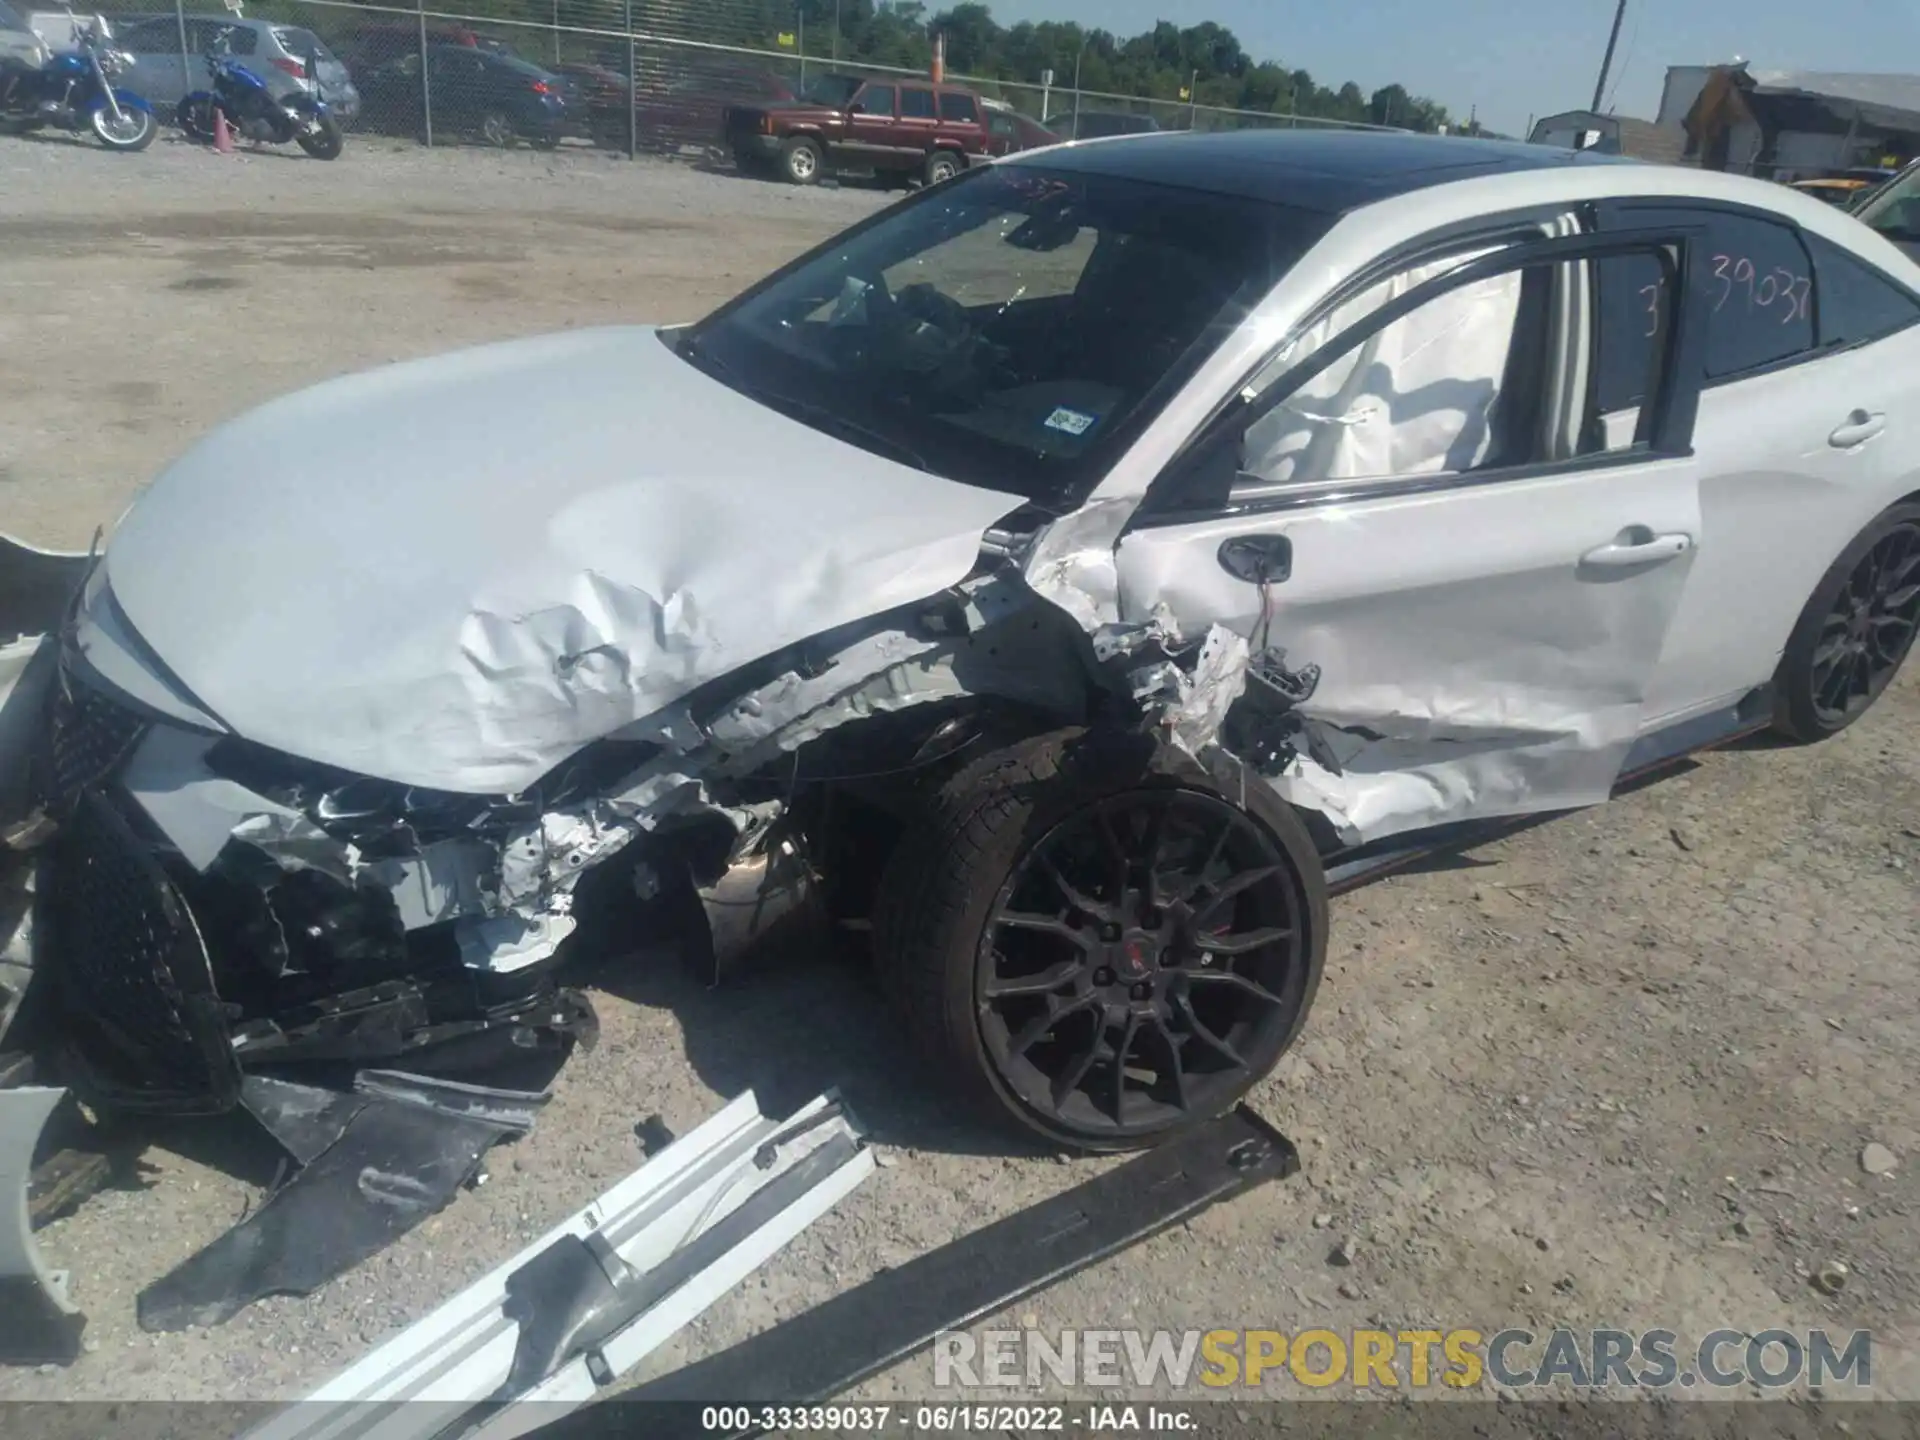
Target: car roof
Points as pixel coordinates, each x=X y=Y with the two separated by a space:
x=1326 y=170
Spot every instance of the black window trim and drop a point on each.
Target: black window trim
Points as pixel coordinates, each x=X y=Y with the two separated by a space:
x=1824 y=347
x=1664 y=430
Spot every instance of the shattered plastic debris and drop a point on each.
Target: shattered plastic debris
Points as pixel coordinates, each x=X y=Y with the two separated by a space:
x=373 y=1165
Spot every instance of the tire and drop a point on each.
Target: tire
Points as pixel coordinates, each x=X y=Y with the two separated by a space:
x=133 y=132
x=800 y=162
x=1008 y=822
x=323 y=141
x=941 y=165
x=496 y=129
x=195 y=117
x=1855 y=632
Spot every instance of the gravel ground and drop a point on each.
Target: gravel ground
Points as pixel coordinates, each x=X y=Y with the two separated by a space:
x=1617 y=1070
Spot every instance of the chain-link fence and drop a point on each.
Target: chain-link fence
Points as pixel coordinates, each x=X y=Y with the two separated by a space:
x=632 y=76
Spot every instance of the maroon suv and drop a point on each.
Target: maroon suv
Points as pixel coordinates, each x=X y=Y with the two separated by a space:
x=895 y=128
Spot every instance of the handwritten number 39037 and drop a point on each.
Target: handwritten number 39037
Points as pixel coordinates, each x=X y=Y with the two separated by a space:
x=1779 y=289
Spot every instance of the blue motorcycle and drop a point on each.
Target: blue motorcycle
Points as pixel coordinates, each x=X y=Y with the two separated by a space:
x=75 y=91
x=256 y=113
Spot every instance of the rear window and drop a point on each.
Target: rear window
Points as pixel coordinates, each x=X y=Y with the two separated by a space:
x=8 y=19
x=296 y=41
x=959 y=108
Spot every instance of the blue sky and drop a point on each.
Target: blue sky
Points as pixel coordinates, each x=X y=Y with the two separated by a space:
x=1515 y=58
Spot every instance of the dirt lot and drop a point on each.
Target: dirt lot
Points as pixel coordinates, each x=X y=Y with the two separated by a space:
x=1617 y=1070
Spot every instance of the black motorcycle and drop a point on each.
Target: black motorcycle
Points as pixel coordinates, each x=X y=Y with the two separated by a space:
x=256 y=113
x=75 y=91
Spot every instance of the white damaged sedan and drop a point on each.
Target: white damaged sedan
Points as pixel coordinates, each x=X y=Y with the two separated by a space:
x=1066 y=577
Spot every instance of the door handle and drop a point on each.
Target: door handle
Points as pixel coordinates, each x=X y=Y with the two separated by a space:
x=1257 y=559
x=1861 y=426
x=1638 y=546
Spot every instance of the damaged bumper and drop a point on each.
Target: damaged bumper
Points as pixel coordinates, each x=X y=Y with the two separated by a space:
x=190 y=926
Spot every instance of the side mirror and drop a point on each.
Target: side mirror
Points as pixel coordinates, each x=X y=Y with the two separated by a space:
x=856 y=108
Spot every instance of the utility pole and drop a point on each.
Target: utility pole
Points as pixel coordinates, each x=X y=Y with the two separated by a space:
x=1606 y=61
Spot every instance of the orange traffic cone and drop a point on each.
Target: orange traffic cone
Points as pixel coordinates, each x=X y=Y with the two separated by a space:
x=222 y=134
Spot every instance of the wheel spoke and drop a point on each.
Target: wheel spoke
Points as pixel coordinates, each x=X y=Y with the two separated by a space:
x=1244 y=941
x=1212 y=1041
x=1120 y=1068
x=1075 y=897
x=1155 y=837
x=1240 y=883
x=1213 y=855
x=1043 y=924
x=1831 y=691
x=1175 y=1069
x=1236 y=982
x=1117 y=853
x=1899 y=597
x=1068 y=1080
x=1050 y=979
x=1830 y=650
x=1029 y=1034
x=1894 y=624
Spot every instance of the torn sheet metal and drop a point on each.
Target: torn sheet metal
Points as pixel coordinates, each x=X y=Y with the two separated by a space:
x=482 y=643
x=397 y=1158
x=1492 y=680
x=39 y=1325
x=586 y=1302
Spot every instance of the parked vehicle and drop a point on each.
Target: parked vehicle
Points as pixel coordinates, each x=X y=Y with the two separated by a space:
x=290 y=59
x=1894 y=210
x=1009 y=132
x=368 y=46
x=896 y=128
x=681 y=101
x=242 y=99
x=1095 y=124
x=20 y=43
x=478 y=94
x=74 y=91
x=1066 y=577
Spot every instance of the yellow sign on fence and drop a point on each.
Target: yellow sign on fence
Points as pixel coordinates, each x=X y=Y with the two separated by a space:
x=784 y=39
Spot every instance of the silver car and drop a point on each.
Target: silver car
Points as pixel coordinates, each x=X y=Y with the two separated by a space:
x=287 y=57
x=18 y=43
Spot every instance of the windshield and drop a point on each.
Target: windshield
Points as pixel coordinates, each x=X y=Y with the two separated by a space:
x=1894 y=209
x=832 y=91
x=1013 y=328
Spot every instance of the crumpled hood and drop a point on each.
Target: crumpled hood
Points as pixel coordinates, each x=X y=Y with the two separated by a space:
x=456 y=572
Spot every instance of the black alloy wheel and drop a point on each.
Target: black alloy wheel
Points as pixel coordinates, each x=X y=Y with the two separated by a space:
x=1870 y=628
x=1145 y=963
x=1855 y=632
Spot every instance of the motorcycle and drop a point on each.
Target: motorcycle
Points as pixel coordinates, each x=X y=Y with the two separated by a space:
x=256 y=113
x=74 y=91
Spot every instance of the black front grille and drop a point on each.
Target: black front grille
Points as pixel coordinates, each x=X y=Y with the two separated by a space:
x=143 y=1023
x=89 y=733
